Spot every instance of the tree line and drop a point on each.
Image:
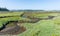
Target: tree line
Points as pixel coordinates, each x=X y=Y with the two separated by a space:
x=4 y=9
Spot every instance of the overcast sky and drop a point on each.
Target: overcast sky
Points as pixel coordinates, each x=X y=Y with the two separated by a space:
x=31 y=4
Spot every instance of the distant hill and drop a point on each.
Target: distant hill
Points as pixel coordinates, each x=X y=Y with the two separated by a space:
x=28 y=10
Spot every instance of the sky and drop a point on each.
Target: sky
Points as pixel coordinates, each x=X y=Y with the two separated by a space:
x=31 y=4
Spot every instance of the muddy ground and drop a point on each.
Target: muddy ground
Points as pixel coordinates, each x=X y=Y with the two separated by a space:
x=13 y=30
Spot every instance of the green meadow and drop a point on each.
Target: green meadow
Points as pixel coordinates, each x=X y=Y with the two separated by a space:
x=44 y=27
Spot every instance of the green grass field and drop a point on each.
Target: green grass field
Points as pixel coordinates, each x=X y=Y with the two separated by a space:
x=50 y=27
